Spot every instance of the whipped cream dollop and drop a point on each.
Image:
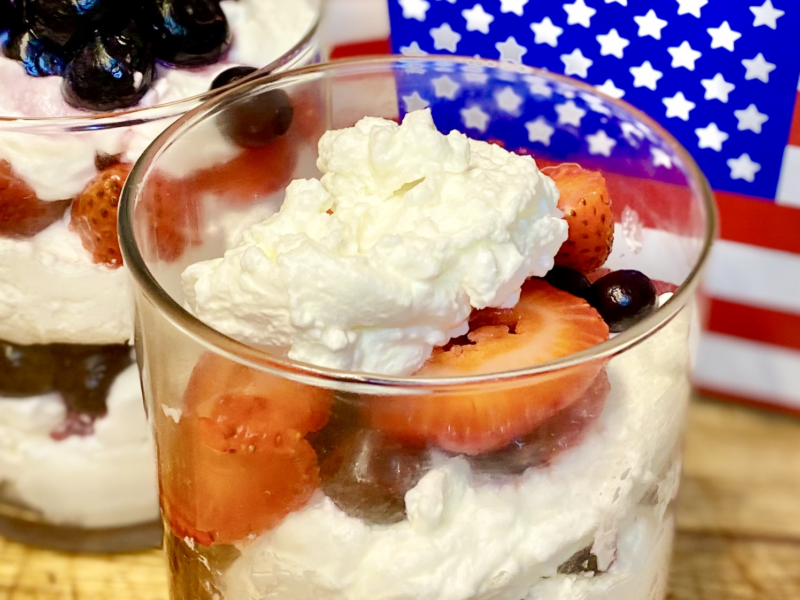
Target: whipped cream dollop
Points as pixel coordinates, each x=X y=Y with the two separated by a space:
x=385 y=256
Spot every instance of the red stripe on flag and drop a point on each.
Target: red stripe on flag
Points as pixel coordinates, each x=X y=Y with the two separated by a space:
x=752 y=323
x=759 y=403
x=362 y=49
x=794 y=130
x=758 y=222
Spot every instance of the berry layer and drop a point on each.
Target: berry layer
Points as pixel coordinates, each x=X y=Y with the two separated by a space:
x=473 y=537
x=103 y=480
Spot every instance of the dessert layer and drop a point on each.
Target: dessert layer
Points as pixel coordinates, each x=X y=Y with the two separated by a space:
x=103 y=480
x=468 y=536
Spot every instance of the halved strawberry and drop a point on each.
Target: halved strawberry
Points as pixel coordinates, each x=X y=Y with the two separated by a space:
x=586 y=205
x=546 y=324
x=22 y=214
x=239 y=462
x=94 y=215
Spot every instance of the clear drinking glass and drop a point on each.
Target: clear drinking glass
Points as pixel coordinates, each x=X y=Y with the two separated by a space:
x=77 y=462
x=285 y=480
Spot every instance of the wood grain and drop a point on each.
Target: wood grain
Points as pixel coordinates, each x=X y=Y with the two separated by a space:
x=738 y=524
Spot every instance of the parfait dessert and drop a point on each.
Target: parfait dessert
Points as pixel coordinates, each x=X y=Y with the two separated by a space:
x=84 y=88
x=425 y=371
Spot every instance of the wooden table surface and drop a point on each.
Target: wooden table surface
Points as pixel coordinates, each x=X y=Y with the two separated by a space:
x=738 y=522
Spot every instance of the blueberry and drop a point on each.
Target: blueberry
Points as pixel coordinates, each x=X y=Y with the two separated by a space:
x=368 y=474
x=39 y=58
x=190 y=32
x=568 y=280
x=65 y=22
x=27 y=370
x=111 y=71
x=86 y=373
x=258 y=120
x=623 y=298
x=230 y=75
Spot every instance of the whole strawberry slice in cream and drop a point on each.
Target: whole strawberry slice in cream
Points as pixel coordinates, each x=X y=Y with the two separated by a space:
x=586 y=205
x=22 y=213
x=545 y=325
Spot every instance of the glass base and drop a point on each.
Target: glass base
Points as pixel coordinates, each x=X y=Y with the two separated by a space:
x=141 y=536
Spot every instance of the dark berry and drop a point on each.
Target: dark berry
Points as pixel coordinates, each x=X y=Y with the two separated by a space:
x=343 y=422
x=9 y=16
x=230 y=75
x=111 y=71
x=368 y=474
x=86 y=374
x=623 y=298
x=568 y=280
x=27 y=370
x=258 y=120
x=190 y=32
x=583 y=561
x=559 y=433
x=38 y=58
x=103 y=161
x=66 y=23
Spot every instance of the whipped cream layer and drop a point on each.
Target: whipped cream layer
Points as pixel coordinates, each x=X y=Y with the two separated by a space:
x=385 y=256
x=104 y=480
x=470 y=536
x=51 y=291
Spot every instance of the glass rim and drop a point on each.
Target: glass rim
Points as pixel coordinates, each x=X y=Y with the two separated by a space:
x=230 y=348
x=136 y=115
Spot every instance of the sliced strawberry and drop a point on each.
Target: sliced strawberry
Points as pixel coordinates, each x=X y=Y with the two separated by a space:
x=174 y=216
x=94 y=215
x=546 y=324
x=586 y=205
x=253 y=174
x=239 y=463
x=597 y=274
x=663 y=287
x=22 y=214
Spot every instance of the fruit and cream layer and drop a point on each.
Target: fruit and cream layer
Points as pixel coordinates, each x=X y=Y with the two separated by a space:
x=427 y=255
x=65 y=306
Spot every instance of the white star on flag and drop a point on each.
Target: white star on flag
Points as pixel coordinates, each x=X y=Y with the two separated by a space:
x=612 y=44
x=415 y=102
x=650 y=24
x=539 y=87
x=691 y=7
x=575 y=63
x=444 y=87
x=766 y=14
x=711 y=137
x=750 y=118
x=508 y=101
x=511 y=51
x=645 y=75
x=600 y=143
x=477 y=19
x=475 y=118
x=412 y=49
x=546 y=33
x=743 y=168
x=539 y=130
x=444 y=38
x=679 y=106
x=623 y=2
x=660 y=158
x=723 y=36
x=414 y=9
x=513 y=6
x=758 y=68
x=684 y=56
x=610 y=89
x=717 y=88
x=570 y=113
x=579 y=14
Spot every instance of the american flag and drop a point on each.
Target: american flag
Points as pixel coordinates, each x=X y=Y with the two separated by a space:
x=722 y=76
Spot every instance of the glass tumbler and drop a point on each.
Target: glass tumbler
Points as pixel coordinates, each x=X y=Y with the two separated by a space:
x=77 y=460
x=285 y=480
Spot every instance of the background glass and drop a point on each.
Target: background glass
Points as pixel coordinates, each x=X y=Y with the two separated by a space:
x=79 y=478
